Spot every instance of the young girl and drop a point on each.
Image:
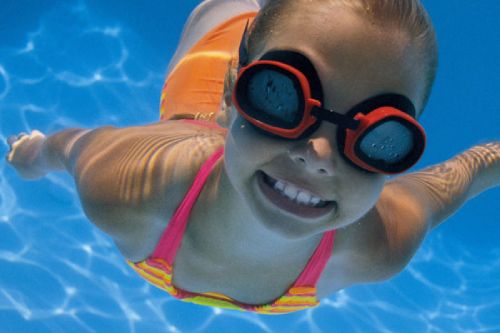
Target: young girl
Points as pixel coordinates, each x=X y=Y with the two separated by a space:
x=284 y=200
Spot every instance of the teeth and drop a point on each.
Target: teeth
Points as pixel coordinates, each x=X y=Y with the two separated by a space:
x=296 y=194
x=315 y=200
x=280 y=186
x=291 y=191
x=303 y=197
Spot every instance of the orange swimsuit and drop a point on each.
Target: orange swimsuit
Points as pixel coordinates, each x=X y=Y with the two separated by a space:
x=196 y=83
x=197 y=80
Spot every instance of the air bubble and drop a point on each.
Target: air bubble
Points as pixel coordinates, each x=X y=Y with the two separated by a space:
x=388 y=140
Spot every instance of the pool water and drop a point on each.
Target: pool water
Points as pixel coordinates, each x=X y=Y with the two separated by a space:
x=87 y=63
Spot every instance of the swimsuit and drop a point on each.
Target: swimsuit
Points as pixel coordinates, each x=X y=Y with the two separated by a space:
x=158 y=268
x=196 y=83
x=197 y=80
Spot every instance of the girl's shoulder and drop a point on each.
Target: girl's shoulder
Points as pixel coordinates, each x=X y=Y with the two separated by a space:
x=142 y=174
x=375 y=248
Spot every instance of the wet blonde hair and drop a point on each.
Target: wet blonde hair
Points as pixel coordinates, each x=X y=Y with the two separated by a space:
x=408 y=16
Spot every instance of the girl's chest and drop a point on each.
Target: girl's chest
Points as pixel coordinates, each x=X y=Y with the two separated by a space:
x=244 y=281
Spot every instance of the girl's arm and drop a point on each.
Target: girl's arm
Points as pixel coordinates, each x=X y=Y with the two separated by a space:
x=413 y=204
x=34 y=155
x=128 y=179
x=440 y=190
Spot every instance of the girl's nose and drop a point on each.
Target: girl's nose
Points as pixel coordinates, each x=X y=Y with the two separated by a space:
x=316 y=155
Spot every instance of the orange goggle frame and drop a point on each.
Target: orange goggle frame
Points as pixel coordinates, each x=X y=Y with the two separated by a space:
x=354 y=126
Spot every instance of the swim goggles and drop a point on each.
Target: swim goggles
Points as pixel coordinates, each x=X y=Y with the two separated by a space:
x=281 y=95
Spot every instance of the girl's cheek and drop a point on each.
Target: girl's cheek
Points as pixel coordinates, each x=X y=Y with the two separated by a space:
x=255 y=146
x=360 y=191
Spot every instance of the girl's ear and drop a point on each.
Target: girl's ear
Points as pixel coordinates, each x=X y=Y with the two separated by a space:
x=226 y=112
x=223 y=118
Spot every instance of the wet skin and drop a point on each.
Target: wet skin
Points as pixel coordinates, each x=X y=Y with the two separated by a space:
x=131 y=180
x=354 y=62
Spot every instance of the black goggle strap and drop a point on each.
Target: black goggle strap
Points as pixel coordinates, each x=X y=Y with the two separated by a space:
x=243 y=49
x=399 y=102
x=335 y=118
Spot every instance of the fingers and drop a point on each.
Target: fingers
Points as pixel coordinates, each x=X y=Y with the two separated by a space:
x=13 y=138
x=15 y=141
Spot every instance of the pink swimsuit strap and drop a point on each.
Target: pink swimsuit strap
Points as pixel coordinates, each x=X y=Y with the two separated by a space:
x=317 y=263
x=171 y=238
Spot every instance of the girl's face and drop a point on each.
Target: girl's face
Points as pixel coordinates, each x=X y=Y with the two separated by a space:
x=303 y=187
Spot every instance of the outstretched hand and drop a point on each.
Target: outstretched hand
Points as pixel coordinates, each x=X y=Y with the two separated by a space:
x=24 y=154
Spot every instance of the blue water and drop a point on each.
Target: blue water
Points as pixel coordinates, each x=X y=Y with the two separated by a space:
x=89 y=63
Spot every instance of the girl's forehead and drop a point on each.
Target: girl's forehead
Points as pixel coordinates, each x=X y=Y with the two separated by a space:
x=354 y=57
x=333 y=31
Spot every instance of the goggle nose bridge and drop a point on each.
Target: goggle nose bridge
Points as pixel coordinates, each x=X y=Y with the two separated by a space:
x=336 y=118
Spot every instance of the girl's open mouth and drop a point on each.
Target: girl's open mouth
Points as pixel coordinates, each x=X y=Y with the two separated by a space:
x=293 y=199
